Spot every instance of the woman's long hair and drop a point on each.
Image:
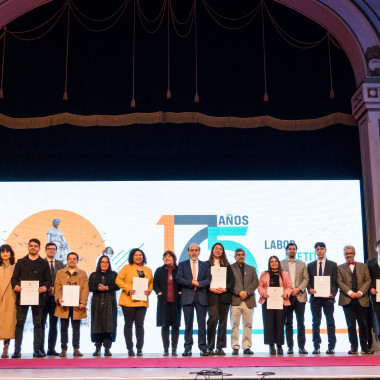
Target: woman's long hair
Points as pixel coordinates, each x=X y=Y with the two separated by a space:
x=223 y=259
x=98 y=268
x=7 y=248
x=279 y=266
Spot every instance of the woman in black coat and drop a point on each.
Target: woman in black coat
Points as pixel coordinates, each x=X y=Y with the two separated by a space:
x=168 y=302
x=219 y=301
x=103 y=306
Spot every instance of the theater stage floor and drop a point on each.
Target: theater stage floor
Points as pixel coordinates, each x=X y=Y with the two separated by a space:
x=295 y=371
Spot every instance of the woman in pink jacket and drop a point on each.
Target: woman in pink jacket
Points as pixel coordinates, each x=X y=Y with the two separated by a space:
x=274 y=319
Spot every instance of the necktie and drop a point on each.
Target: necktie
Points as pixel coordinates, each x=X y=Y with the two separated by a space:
x=320 y=269
x=194 y=271
x=51 y=269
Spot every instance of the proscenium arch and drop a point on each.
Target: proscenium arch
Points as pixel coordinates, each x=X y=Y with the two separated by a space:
x=342 y=18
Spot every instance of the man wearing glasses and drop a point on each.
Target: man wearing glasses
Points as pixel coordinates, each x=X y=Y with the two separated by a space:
x=30 y=268
x=49 y=307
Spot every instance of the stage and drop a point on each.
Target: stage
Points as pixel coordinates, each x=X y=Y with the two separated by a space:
x=153 y=366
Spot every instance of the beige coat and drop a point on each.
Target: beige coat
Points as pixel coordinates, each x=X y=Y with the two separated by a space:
x=7 y=304
x=64 y=277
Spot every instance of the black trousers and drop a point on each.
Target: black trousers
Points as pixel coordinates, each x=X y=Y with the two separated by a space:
x=376 y=311
x=170 y=322
x=217 y=313
x=21 y=313
x=299 y=309
x=188 y=313
x=104 y=339
x=274 y=321
x=327 y=306
x=75 y=324
x=48 y=310
x=134 y=315
x=354 y=312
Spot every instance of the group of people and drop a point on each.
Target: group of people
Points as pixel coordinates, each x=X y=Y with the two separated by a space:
x=188 y=286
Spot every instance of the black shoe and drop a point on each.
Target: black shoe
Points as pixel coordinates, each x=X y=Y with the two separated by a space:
x=107 y=352
x=174 y=352
x=248 y=351
x=131 y=353
x=280 y=351
x=43 y=352
x=353 y=351
x=16 y=355
x=203 y=353
x=366 y=351
x=316 y=351
x=235 y=351
x=139 y=353
x=219 y=351
x=97 y=352
x=290 y=351
x=302 y=351
x=272 y=350
x=166 y=352
x=38 y=354
x=210 y=352
x=187 y=353
x=330 y=351
x=52 y=353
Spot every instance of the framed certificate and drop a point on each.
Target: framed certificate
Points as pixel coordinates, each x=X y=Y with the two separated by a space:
x=29 y=294
x=322 y=286
x=275 y=300
x=70 y=295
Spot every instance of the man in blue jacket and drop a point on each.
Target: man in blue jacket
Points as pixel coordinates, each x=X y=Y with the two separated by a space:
x=194 y=276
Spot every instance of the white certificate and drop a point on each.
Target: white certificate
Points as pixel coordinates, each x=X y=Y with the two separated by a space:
x=70 y=295
x=29 y=293
x=219 y=275
x=378 y=290
x=140 y=285
x=322 y=286
x=275 y=300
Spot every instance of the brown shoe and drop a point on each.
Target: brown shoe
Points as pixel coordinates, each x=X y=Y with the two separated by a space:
x=77 y=352
x=62 y=354
x=5 y=349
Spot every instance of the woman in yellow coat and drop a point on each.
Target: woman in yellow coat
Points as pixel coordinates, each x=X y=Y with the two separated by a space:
x=134 y=310
x=71 y=275
x=7 y=297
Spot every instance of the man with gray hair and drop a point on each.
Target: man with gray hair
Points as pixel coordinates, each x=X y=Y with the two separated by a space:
x=354 y=281
x=243 y=302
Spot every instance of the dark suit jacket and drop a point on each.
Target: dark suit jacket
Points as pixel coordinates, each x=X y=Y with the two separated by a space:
x=345 y=283
x=184 y=278
x=251 y=282
x=374 y=271
x=57 y=266
x=330 y=270
x=227 y=296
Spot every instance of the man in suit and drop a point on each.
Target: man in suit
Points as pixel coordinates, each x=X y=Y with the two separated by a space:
x=243 y=302
x=374 y=271
x=30 y=268
x=322 y=267
x=299 y=277
x=354 y=281
x=194 y=276
x=49 y=307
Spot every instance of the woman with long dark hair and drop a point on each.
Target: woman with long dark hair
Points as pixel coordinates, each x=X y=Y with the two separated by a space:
x=103 y=306
x=274 y=319
x=134 y=310
x=168 y=301
x=219 y=301
x=7 y=297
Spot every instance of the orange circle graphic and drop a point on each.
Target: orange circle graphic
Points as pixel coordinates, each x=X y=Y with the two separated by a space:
x=80 y=234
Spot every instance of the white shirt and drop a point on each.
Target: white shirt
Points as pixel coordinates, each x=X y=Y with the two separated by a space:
x=323 y=265
x=292 y=271
x=196 y=267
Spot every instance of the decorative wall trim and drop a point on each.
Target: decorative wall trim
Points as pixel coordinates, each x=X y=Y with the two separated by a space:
x=176 y=118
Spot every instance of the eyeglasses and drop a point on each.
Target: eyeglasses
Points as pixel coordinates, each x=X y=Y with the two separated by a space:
x=51 y=249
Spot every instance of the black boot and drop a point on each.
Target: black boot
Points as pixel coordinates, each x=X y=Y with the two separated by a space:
x=272 y=350
x=97 y=351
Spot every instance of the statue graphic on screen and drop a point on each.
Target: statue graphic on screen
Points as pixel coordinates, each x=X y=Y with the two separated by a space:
x=54 y=235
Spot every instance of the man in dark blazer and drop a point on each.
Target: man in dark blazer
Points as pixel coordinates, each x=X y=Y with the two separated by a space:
x=298 y=275
x=354 y=281
x=194 y=276
x=374 y=271
x=49 y=307
x=322 y=267
x=243 y=302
